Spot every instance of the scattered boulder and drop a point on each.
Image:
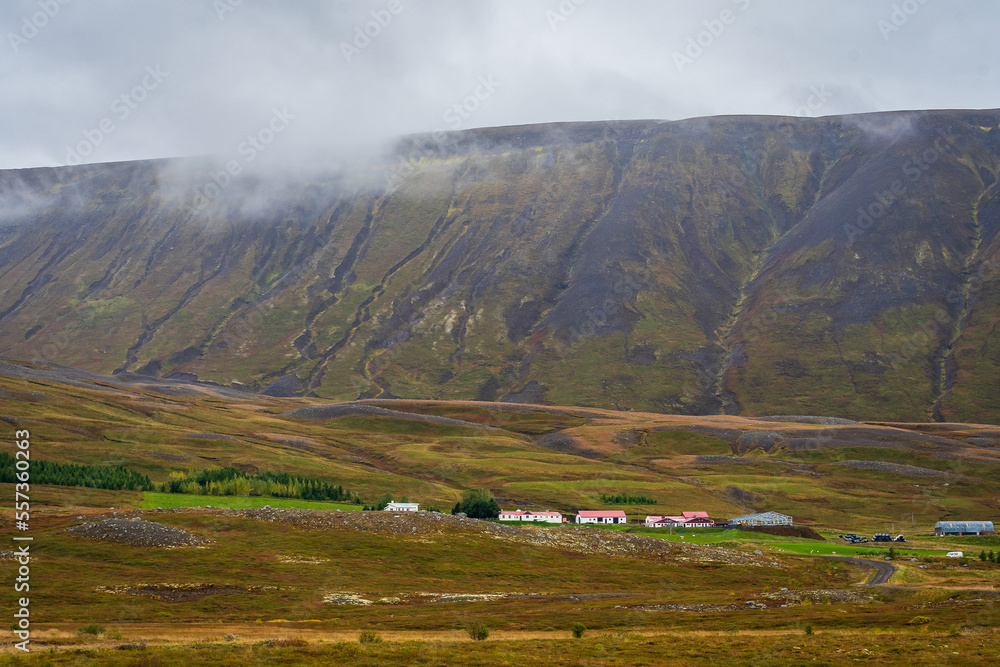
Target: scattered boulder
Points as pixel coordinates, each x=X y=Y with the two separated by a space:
x=766 y=440
x=810 y=419
x=895 y=468
x=136 y=532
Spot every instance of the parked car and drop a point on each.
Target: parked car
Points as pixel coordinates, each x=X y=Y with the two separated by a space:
x=954 y=554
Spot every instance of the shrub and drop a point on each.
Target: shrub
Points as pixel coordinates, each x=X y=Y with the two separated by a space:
x=113 y=634
x=132 y=646
x=91 y=629
x=579 y=629
x=230 y=637
x=478 y=504
x=478 y=631
x=369 y=637
x=918 y=620
x=809 y=629
x=953 y=631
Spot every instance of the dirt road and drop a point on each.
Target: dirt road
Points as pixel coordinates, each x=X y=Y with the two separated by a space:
x=883 y=570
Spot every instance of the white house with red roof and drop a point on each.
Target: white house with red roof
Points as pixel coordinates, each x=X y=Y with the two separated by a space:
x=523 y=515
x=686 y=520
x=601 y=516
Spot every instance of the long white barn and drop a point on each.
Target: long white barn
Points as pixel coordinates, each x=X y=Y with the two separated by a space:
x=524 y=515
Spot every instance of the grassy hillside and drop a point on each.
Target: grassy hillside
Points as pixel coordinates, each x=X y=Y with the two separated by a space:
x=742 y=265
x=298 y=586
x=849 y=476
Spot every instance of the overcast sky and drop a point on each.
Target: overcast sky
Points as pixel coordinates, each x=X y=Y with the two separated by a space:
x=121 y=79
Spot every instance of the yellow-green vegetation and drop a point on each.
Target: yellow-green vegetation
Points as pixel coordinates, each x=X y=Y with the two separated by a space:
x=889 y=646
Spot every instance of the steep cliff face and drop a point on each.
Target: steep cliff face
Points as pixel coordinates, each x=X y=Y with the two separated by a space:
x=843 y=265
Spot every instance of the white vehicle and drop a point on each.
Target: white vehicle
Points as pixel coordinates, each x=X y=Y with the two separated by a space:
x=954 y=554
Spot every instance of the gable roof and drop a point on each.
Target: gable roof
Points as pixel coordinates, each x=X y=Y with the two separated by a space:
x=695 y=515
x=597 y=514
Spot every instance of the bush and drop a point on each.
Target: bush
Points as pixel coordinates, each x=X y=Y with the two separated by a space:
x=918 y=620
x=132 y=646
x=91 y=629
x=113 y=634
x=369 y=637
x=478 y=504
x=578 y=630
x=953 y=631
x=809 y=629
x=230 y=637
x=478 y=631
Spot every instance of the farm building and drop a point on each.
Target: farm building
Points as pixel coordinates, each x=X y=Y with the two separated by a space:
x=523 y=515
x=942 y=528
x=686 y=519
x=402 y=507
x=601 y=516
x=762 y=519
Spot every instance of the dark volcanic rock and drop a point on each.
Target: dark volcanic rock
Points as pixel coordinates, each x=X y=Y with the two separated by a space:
x=136 y=532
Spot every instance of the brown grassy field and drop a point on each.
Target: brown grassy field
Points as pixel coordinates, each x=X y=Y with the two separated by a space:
x=268 y=578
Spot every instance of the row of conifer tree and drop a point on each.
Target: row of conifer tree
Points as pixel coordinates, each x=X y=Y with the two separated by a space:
x=211 y=482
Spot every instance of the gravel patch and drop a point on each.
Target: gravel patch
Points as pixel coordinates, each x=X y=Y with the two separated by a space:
x=136 y=532
x=424 y=525
x=718 y=458
x=808 y=419
x=897 y=469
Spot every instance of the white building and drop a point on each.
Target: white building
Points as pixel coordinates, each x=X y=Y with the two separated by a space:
x=523 y=515
x=762 y=519
x=601 y=516
x=402 y=507
x=686 y=520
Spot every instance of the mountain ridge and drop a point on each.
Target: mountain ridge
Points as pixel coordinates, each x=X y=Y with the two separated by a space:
x=720 y=264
